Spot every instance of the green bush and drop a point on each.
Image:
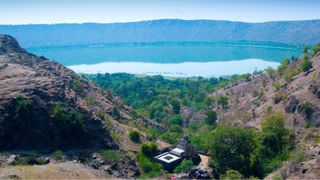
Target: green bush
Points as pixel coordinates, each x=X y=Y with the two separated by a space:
x=200 y=106
x=134 y=136
x=208 y=100
x=202 y=139
x=149 y=149
x=211 y=117
x=171 y=137
x=306 y=109
x=58 y=154
x=270 y=165
x=283 y=66
x=153 y=133
x=308 y=125
x=276 y=85
x=193 y=127
x=175 y=106
x=316 y=49
x=30 y=159
x=21 y=119
x=156 y=111
x=273 y=137
x=306 y=65
x=232 y=175
x=270 y=71
x=278 y=97
x=111 y=155
x=69 y=122
x=275 y=143
x=89 y=100
x=115 y=113
x=185 y=167
x=149 y=169
x=223 y=101
x=264 y=82
x=269 y=109
x=77 y=86
x=176 y=128
x=176 y=119
x=289 y=76
x=250 y=152
x=231 y=148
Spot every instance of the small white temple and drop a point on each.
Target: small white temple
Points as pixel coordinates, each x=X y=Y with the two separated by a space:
x=173 y=158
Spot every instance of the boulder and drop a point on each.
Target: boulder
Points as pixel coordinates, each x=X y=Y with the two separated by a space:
x=315 y=90
x=291 y=105
x=11 y=159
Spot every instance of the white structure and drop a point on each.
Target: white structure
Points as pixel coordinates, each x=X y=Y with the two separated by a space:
x=173 y=158
x=177 y=151
x=168 y=157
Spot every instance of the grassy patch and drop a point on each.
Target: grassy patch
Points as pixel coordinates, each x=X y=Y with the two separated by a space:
x=111 y=155
x=58 y=154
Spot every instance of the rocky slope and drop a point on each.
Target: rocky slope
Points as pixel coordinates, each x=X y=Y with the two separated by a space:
x=37 y=94
x=299 y=99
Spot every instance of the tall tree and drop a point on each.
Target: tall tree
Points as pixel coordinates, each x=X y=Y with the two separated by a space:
x=175 y=106
x=231 y=148
x=211 y=117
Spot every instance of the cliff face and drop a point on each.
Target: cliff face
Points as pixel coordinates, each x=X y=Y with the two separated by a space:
x=169 y=30
x=44 y=105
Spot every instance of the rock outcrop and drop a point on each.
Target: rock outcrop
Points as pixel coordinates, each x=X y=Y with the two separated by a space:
x=292 y=104
x=31 y=88
x=296 y=97
x=46 y=106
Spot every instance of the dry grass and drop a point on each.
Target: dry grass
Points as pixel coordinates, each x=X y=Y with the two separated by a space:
x=67 y=170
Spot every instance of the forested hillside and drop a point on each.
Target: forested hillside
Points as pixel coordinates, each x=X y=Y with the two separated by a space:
x=255 y=124
x=264 y=124
x=185 y=106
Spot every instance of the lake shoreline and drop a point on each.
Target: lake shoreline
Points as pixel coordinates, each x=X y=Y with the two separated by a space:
x=185 y=69
x=166 y=53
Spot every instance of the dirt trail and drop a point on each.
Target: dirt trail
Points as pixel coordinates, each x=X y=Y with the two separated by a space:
x=204 y=164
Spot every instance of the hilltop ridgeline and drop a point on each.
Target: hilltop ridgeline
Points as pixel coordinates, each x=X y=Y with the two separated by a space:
x=169 y=30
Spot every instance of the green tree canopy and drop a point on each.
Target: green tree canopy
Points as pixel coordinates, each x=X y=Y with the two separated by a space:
x=149 y=149
x=176 y=119
x=316 y=49
x=231 y=148
x=175 y=106
x=149 y=169
x=134 y=136
x=306 y=65
x=274 y=135
x=232 y=175
x=223 y=101
x=283 y=66
x=185 y=167
x=211 y=117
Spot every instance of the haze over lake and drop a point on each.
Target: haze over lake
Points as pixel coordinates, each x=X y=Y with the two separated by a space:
x=169 y=59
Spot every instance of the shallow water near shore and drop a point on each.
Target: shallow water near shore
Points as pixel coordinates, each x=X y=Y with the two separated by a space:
x=169 y=59
x=187 y=69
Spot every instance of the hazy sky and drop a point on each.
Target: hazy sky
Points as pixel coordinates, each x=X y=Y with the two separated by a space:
x=78 y=11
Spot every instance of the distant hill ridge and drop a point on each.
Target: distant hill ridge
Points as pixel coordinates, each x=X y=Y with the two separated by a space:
x=305 y=32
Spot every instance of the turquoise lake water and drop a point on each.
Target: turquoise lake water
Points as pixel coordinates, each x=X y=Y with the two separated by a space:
x=189 y=59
